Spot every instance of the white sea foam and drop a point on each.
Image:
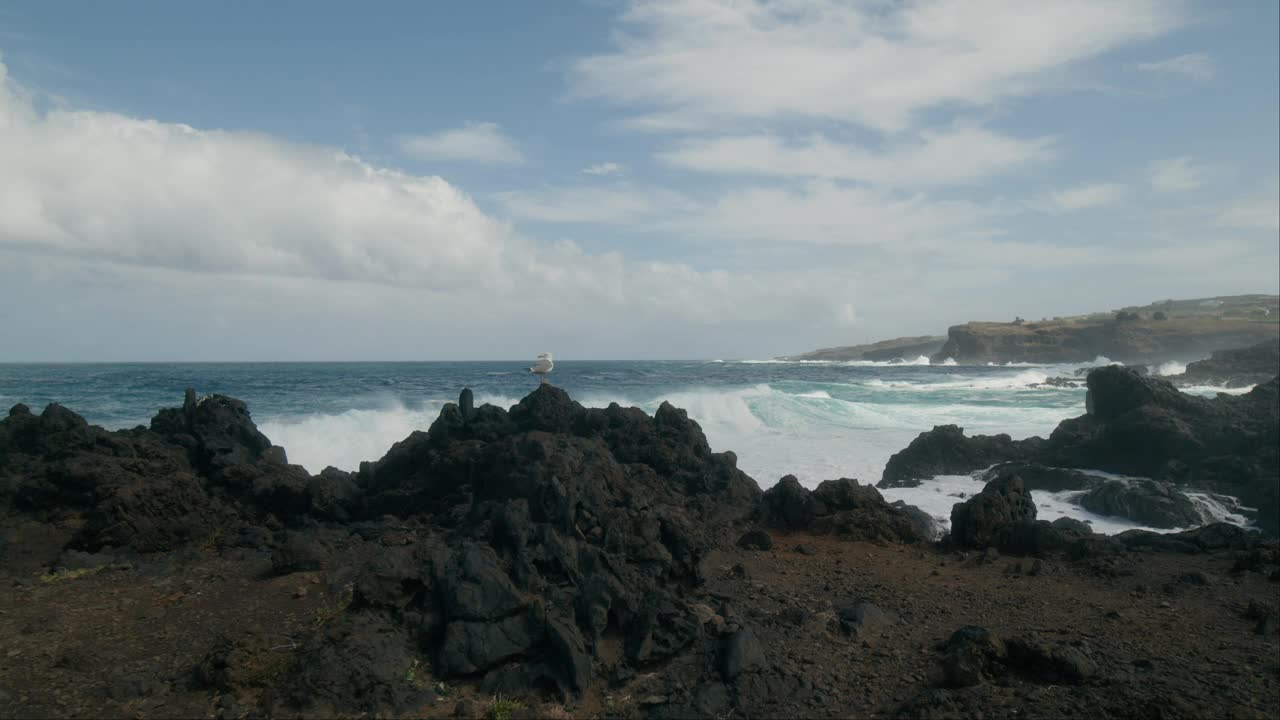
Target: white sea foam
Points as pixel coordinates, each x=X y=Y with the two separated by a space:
x=1024 y=380
x=316 y=441
x=1167 y=369
x=938 y=495
x=1212 y=390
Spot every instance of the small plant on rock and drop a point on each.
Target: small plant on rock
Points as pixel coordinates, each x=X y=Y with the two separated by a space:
x=503 y=709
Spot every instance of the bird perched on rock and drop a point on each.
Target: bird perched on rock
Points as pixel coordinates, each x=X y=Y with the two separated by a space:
x=542 y=366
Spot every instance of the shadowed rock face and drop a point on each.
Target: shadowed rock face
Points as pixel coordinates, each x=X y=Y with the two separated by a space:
x=563 y=532
x=845 y=508
x=1138 y=426
x=1238 y=367
x=946 y=451
x=979 y=521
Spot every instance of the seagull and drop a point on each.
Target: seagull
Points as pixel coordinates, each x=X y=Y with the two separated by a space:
x=542 y=366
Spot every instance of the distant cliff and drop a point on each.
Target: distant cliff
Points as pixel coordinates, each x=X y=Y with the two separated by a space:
x=1169 y=330
x=907 y=348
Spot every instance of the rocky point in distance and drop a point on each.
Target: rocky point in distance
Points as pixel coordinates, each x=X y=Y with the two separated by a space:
x=552 y=560
x=1178 y=330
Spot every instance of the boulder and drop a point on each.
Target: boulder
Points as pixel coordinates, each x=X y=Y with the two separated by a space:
x=740 y=652
x=1144 y=501
x=984 y=519
x=845 y=508
x=945 y=450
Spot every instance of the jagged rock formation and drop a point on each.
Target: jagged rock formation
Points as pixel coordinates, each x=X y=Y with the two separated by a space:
x=946 y=451
x=845 y=508
x=1137 y=426
x=190 y=477
x=1238 y=367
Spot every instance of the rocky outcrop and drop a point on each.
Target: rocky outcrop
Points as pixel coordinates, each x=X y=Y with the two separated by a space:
x=984 y=519
x=1150 y=334
x=885 y=350
x=1238 y=367
x=196 y=473
x=1147 y=502
x=566 y=540
x=1136 y=426
x=1045 y=478
x=945 y=450
x=843 y=507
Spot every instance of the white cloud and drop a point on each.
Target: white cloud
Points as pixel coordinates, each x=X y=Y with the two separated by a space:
x=1175 y=175
x=245 y=226
x=954 y=156
x=475 y=142
x=1085 y=197
x=1197 y=66
x=699 y=63
x=827 y=213
x=816 y=213
x=605 y=168
x=613 y=205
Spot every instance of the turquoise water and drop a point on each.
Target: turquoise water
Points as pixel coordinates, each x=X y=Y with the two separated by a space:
x=813 y=420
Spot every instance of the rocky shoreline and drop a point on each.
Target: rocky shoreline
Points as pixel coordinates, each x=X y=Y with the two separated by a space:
x=553 y=560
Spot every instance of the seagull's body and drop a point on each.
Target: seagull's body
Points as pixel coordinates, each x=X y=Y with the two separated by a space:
x=542 y=366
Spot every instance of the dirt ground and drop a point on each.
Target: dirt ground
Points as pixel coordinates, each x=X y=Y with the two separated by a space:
x=1171 y=639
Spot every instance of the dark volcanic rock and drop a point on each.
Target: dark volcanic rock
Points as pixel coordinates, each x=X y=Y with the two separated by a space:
x=788 y=505
x=739 y=653
x=1144 y=427
x=1145 y=501
x=945 y=450
x=1238 y=367
x=565 y=540
x=1042 y=477
x=846 y=508
x=1138 y=426
x=985 y=518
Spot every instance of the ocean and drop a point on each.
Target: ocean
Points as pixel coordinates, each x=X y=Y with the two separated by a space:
x=814 y=420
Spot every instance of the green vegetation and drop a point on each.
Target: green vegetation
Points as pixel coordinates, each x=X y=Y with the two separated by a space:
x=417 y=677
x=503 y=709
x=61 y=575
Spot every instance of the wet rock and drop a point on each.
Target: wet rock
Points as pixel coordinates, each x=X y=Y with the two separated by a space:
x=1145 y=501
x=1036 y=476
x=945 y=450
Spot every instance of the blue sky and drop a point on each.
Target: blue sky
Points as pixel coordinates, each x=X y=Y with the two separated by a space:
x=692 y=178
